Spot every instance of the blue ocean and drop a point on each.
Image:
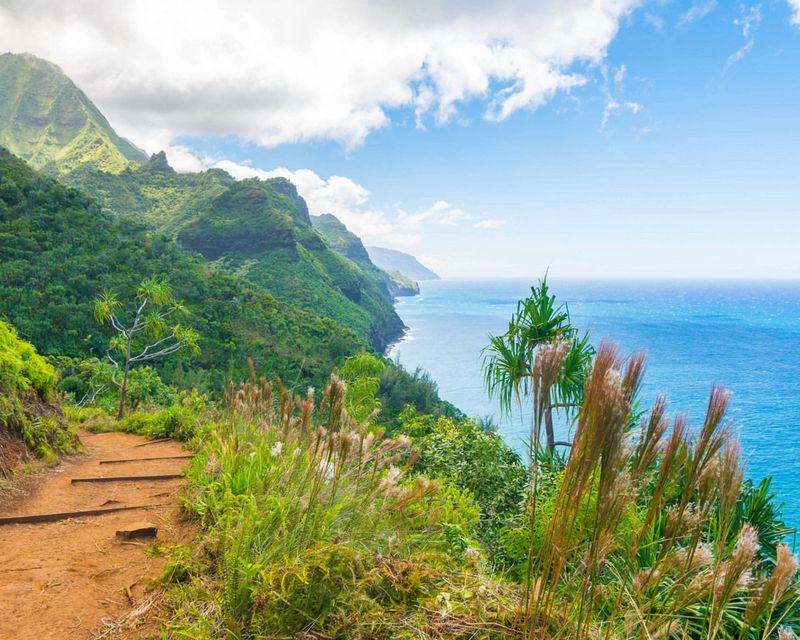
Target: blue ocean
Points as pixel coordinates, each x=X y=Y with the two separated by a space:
x=744 y=335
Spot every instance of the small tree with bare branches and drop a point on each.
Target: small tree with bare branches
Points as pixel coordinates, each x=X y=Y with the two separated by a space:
x=149 y=336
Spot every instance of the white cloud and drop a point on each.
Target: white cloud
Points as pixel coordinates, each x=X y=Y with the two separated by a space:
x=655 y=21
x=610 y=90
x=751 y=18
x=795 y=6
x=349 y=201
x=275 y=72
x=490 y=223
x=697 y=11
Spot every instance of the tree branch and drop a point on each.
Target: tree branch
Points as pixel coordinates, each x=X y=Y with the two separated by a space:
x=115 y=323
x=164 y=352
x=152 y=346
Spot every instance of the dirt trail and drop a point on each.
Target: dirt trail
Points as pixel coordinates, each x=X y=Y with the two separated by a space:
x=66 y=579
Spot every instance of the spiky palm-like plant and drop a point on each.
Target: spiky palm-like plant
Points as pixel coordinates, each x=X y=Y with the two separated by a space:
x=509 y=358
x=150 y=334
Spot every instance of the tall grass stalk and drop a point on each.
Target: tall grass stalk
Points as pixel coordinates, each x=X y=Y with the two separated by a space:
x=643 y=540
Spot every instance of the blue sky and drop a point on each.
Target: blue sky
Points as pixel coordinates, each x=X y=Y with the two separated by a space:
x=677 y=156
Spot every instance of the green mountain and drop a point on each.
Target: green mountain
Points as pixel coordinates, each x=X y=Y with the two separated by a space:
x=345 y=242
x=257 y=231
x=49 y=122
x=58 y=250
x=261 y=231
x=406 y=264
x=152 y=192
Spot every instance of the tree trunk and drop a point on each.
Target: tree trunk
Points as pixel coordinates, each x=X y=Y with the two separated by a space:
x=548 y=427
x=123 y=391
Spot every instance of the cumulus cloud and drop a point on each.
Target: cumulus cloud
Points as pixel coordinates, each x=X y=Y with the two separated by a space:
x=310 y=70
x=349 y=201
x=794 y=5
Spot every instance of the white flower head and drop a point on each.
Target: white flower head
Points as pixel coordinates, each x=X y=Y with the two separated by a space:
x=391 y=478
x=276 y=449
x=325 y=469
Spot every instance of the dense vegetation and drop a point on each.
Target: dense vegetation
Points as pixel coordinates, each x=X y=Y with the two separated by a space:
x=261 y=232
x=29 y=419
x=316 y=525
x=58 y=251
x=152 y=192
x=314 y=528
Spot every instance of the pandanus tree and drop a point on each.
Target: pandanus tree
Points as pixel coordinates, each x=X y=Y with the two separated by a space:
x=509 y=359
x=150 y=334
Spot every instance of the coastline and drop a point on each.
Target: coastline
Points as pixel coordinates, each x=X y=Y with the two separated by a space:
x=387 y=350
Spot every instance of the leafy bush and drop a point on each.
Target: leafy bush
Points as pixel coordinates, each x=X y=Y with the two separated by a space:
x=88 y=382
x=27 y=410
x=362 y=375
x=464 y=454
x=21 y=368
x=399 y=388
x=181 y=421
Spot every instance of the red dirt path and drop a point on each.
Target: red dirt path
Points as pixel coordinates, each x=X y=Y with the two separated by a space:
x=67 y=579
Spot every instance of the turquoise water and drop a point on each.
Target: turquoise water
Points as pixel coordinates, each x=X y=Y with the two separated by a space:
x=745 y=335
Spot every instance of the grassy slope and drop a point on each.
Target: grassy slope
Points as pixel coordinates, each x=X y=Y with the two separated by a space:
x=46 y=120
x=58 y=251
x=261 y=231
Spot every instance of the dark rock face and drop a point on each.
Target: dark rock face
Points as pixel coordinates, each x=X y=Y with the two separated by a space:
x=387 y=332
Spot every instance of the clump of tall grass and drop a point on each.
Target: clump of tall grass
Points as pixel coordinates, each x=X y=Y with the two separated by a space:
x=316 y=528
x=642 y=537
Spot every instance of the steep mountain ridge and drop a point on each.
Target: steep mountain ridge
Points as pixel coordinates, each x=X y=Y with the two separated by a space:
x=153 y=191
x=405 y=263
x=345 y=242
x=48 y=121
x=260 y=231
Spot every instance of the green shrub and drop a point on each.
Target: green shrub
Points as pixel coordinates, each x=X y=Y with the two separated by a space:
x=21 y=368
x=177 y=422
x=315 y=526
x=27 y=392
x=399 y=389
x=464 y=454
